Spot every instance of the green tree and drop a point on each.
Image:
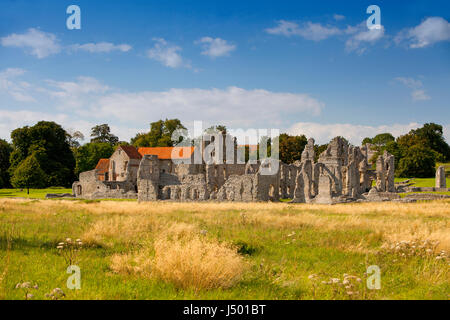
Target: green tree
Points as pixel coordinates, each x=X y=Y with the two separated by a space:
x=29 y=174
x=291 y=147
x=49 y=143
x=102 y=133
x=432 y=136
x=382 y=139
x=366 y=140
x=418 y=162
x=318 y=149
x=88 y=155
x=160 y=134
x=5 y=151
x=216 y=128
x=394 y=148
x=74 y=138
x=265 y=146
x=409 y=150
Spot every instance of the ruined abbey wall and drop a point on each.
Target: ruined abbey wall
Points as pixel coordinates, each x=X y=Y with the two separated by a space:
x=341 y=174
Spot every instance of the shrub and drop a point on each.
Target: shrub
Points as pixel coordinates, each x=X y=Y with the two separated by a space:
x=197 y=263
x=29 y=174
x=185 y=258
x=418 y=162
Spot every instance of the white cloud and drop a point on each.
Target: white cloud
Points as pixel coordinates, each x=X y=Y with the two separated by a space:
x=417 y=93
x=309 y=30
x=338 y=17
x=41 y=44
x=446 y=132
x=83 y=85
x=12 y=72
x=85 y=101
x=358 y=37
x=101 y=47
x=323 y=133
x=88 y=98
x=166 y=54
x=410 y=82
x=361 y=36
x=216 y=47
x=430 y=31
x=77 y=95
x=233 y=106
x=10 y=120
x=19 y=90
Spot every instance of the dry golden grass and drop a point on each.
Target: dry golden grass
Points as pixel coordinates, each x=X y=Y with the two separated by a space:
x=184 y=257
x=393 y=221
x=162 y=241
x=127 y=229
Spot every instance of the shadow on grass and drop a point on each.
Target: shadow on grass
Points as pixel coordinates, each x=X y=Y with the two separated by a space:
x=21 y=243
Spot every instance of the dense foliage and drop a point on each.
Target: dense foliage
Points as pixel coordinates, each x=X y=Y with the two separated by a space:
x=416 y=152
x=29 y=174
x=5 y=151
x=48 y=143
x=291 y=147
x=88 y=155
x=418 y=161
x=160 y=134
x=102 y=133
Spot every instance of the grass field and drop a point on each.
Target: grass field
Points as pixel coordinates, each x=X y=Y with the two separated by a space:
x=428 y=182
x=422 y=182
x=165 y=250
x=34 y=193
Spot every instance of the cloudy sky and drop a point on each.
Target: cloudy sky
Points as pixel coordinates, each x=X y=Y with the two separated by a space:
x=302 y=67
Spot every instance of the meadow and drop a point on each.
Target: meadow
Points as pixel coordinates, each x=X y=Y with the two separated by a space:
x=166 y=250
x=33 y=193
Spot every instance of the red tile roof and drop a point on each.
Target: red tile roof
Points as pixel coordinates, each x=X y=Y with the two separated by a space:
x=102 y=166
x=168 y=152
x=131 y=152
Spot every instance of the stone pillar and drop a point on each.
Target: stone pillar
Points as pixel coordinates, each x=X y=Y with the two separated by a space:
x=316 y=174
x=307 y=179
x=325 y=192
x=308 y=153
x=389 y=164
x=299 y=192
x=352 y=179
x=440 y=178
x=381 y=175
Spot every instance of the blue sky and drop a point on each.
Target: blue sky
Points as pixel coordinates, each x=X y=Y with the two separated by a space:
x=302 y=67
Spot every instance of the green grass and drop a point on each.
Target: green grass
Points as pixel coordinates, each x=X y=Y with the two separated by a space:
x=422 y=182
x=40 y=194
x=279 y=262
x=34 y=193
x=402 y=195
x=446 y=165
x=428 y=182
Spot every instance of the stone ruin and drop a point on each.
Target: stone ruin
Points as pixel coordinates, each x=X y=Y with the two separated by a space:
x=342 y=173
x=440 y=178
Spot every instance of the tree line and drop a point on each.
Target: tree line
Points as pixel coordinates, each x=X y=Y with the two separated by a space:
x=46 y=155
x=417 y=152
